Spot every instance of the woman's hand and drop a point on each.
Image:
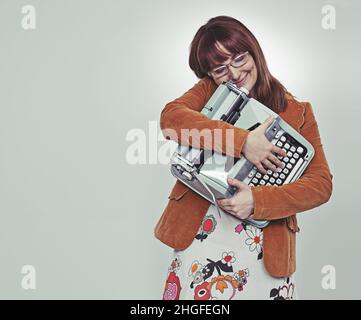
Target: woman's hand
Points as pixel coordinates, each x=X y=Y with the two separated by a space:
x=241 y=204
x=260 y=152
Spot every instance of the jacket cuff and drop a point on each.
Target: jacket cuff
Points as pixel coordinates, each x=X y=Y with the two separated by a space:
x=258 y=203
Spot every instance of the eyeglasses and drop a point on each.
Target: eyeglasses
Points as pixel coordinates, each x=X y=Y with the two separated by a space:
x=223 y=70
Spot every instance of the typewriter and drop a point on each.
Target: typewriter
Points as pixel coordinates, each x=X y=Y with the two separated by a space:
x=206 y=172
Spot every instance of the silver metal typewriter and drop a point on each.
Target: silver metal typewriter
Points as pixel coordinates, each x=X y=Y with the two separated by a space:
x=206 y=171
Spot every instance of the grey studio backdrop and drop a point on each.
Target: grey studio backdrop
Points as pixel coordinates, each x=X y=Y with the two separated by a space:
x=74 y=88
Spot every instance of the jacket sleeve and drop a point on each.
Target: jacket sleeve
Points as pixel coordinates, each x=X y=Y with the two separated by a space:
x=182 y=122
x=311 y=190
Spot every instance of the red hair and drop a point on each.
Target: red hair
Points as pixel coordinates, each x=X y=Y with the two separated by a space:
x=236 y=38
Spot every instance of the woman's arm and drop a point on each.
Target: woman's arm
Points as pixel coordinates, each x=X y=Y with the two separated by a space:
x=183 y=114
x=311 y=190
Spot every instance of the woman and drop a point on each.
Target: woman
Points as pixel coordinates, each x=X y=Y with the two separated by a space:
x=223 y=258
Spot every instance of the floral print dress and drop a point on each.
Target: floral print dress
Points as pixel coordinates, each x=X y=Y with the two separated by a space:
x=224 y=262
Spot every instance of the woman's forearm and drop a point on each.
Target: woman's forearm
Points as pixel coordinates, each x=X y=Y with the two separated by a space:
x=311 y=190
x=182 y=122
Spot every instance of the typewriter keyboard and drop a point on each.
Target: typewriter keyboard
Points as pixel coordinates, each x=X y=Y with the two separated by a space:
x=293 y=160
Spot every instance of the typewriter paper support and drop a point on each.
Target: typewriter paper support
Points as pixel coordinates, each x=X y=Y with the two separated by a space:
x=206 y=172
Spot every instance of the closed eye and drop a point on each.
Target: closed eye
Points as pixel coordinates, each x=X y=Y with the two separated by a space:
x=239 y=58
x=219 y=70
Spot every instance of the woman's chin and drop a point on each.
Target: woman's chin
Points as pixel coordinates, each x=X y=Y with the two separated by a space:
x=247 y=85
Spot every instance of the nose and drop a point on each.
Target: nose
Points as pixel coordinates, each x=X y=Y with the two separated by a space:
x=233 y=73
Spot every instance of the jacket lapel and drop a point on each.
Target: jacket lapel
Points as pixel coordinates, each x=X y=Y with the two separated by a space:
x=294 y=114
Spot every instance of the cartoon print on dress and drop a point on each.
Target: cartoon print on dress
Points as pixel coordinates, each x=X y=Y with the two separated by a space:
x=175 y=265
x=196 y=273
x=241 y=277
x=240 y=227
x=172 y=285
x=208 y=226
x=254 y=240
x=284 y=292
x=220 y=286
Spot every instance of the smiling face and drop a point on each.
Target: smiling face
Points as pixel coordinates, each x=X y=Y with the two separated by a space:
x=245 y=76
x=223 y=40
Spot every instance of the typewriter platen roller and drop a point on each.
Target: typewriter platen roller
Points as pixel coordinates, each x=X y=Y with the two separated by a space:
x=206 y=172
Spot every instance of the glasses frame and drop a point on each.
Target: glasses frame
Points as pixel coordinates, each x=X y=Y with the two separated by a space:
x=210 y=73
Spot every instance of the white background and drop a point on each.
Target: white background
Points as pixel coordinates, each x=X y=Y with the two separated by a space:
x=70 y=91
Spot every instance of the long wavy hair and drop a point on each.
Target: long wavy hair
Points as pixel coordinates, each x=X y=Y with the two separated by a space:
x=235 y=37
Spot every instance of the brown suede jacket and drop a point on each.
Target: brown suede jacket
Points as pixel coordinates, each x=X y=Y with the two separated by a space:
x=184 y=213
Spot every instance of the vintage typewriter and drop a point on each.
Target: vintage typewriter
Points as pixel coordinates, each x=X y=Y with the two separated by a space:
x=206 y=171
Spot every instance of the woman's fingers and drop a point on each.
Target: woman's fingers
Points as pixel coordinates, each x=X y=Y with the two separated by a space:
x=270 y=165
x=227 y=207
x=260 y=168
x=278 y=163
x=279 y=151
x=226 y=203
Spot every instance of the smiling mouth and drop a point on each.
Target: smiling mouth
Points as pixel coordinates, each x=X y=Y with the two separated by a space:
x=241 y=82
